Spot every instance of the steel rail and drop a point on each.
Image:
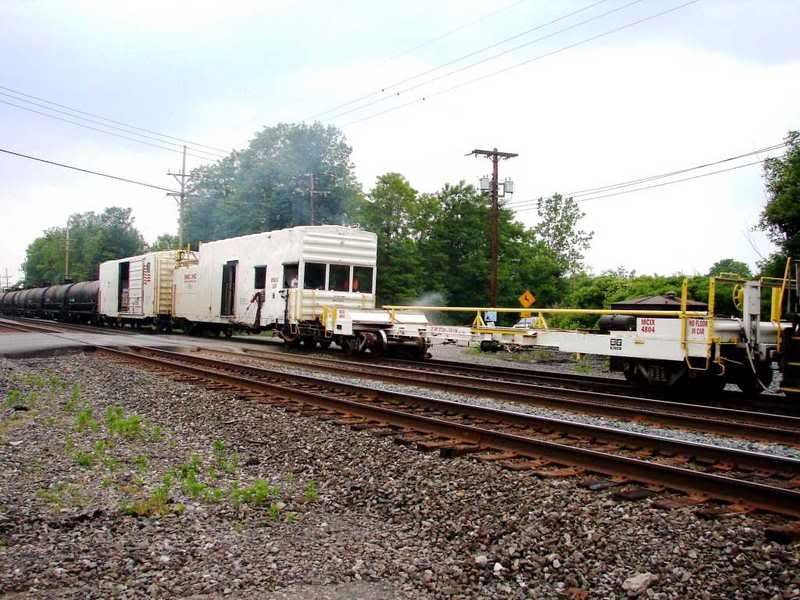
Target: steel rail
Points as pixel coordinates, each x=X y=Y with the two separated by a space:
x=760 y=495
x=752 y=425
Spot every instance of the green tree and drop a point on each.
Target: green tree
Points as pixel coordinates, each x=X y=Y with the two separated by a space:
x=781 y=215
x=455 y=253
x=268 y=185
x=558 y=228
x=93 y=238
x=394 y=212
x=729 y=265
x=166 y=241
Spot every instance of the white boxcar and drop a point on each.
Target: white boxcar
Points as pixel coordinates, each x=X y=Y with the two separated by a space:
x=138 y=289
x=314 y=284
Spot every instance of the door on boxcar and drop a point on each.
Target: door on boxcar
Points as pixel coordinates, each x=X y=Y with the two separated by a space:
x=228 y=288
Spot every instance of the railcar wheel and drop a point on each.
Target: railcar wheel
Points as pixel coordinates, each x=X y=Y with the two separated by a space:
x=324 y=344
x=348 y=345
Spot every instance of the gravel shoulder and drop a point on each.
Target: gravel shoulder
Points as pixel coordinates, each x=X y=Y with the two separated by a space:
x=120 y=482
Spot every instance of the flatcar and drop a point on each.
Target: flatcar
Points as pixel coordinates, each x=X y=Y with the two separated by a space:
x=676 y=349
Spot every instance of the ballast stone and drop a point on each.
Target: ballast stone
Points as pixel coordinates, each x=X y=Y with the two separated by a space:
x=638 y=583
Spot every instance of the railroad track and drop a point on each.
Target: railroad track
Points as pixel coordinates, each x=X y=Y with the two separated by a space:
x=12 y=325
x=708 y=419
x=607 y=458
x=59 y=326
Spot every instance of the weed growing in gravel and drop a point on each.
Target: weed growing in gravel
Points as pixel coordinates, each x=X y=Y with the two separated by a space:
x=142 y=463
x=84 y=459
x=156 y=504
x=63 y=495
x=581 y=366
x=274 y=510
x=311 y=492
x=227 y=463
x=258 y=493
x=74 y=398
x=155 y=433
x=118 y=424
x=85 y=420
x=14 y=397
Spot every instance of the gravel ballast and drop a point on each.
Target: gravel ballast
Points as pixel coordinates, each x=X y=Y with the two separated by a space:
x=263 y=503
x=634 y=426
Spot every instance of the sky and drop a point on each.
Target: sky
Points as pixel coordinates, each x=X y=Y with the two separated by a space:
x=609 y=91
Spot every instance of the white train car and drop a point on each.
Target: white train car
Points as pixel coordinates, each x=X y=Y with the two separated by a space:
x=138 y=290
x=312 y=284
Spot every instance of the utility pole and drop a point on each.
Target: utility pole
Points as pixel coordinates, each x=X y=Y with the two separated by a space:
x=181 y=196
x=495 y=157
x=6 y=277
x=66 y=255
x=313 y=192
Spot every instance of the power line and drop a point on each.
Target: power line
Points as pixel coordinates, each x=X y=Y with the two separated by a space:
x=492 y=57
x=617 y=186
x=657 y=185
x=605 y=188
x=454 y=30
x=149 y=137
x=90 y=172
x=458 y=59
x=523 y=63
x=83 y=112
x=119 y=135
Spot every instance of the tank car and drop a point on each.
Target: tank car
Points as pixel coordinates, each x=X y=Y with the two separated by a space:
x=81 y=301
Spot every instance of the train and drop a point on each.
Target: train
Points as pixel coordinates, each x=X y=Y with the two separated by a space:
x=311 y=285
x=315 y=285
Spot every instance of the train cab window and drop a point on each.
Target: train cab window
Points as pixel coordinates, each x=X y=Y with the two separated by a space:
x=362 y=280
x=291 y=275
x=339 y=278
x=315 y=276
x=260 y=278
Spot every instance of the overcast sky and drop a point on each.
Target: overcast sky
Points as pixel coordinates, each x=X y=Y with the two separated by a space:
x=710 y=80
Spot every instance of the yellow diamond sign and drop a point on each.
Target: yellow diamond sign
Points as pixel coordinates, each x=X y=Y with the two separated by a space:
x=527 y=298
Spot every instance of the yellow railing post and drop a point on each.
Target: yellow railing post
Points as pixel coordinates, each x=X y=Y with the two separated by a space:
x=712 y=292
x=684 y=296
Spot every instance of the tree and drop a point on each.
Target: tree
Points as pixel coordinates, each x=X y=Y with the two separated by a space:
x=455 y=252
x=729 y=265
x=93 y=239
x=781 y=215
x=394 y=211
x=558 y=229
x=267 y=185
x=166 y=241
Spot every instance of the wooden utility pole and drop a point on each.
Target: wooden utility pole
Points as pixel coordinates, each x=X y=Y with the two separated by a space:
x=495 y=156
x=311 y=193
x=6 y=277
x=66 y=255
x=181 y=196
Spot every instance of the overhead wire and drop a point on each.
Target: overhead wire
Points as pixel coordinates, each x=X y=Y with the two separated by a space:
x=522 y=63
x=494 y=56
x=89 y=171
x=384 y=88
x=596 y=192
x=649 y=187
x=196 y=145
x=119 y=135
x=55 y=110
